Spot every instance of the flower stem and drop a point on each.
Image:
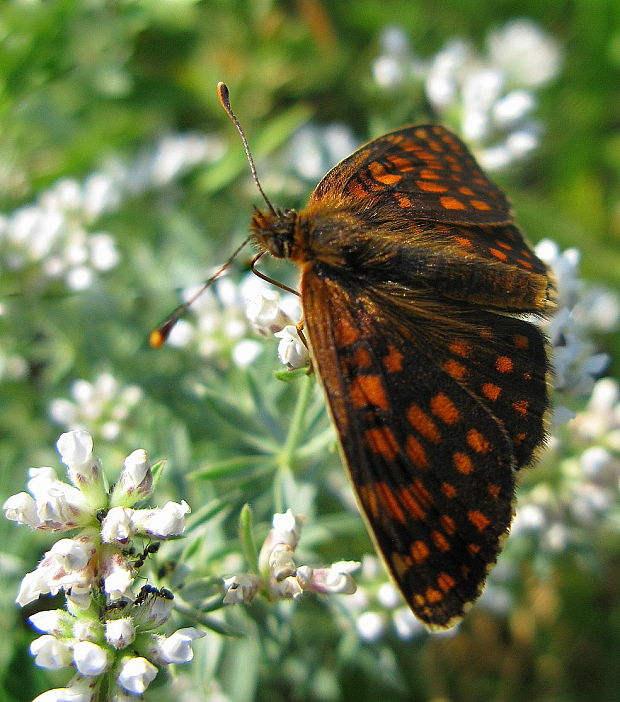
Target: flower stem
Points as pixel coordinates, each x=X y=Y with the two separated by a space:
x=286 y=457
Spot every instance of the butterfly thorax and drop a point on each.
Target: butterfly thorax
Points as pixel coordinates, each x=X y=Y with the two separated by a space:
x=314 y=234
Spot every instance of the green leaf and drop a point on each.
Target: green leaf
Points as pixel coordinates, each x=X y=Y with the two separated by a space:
x=246 y=534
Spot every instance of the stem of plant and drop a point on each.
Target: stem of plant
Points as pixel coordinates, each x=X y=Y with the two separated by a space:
x=297 y=426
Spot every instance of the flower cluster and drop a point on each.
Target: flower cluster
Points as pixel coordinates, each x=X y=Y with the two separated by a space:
x=55 y=233
x=280 y=578
x=267 y=315
x=580 y=312
x=489 y=99
x=220 y=322
x=101 y=406
x=96 y=569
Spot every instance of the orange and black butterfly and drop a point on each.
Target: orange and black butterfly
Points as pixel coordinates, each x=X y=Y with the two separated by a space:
x=413 y=280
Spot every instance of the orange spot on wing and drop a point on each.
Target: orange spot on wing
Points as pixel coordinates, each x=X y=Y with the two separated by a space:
x=389 y=501
x=393 y=362
x=403 y=164
x=462 y=241
x=378 y=172
x=420 y=421
x=381 y=440
x=480 y=205
x=411 y=505
x=498 y=254
x=430 y=187
x=403 y=201
x=466 y=191
x=460 y=348
x=448 y=524
x=345 y=333
x=356 y=190
x=451 y=203
x=440 y=541
x=419 y=551
x=427 y=174
x=445 y=582
x=448 y=490
x=494 y=490
x=520 y=407
x=421 y=494
x=443 y=407
x=368 y=390
x=478 y=442
x=416 y=453
x=503 y=364
x=491 y=391
x=462 y=462
x=433 y=595
x=361 y=358
x=478 y=520
x=455 y=369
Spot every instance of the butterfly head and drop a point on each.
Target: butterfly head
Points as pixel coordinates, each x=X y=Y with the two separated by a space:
x=274 y=231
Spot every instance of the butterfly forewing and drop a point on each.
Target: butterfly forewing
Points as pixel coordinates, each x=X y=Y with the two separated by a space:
x=425 y=170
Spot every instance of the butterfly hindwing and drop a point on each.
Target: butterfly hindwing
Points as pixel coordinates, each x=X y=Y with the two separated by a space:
x=432 y=466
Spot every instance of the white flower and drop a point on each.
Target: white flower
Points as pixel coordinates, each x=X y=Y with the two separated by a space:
x=276 y=553
x=90 y=659
x=333 y=580
x=59 y=506
x=118 y=577
x=291 y=349
x=288 y=588
x=51 y=653
x=161 y=523
x=280 y=562
x=72 y=554
x=22 y=508
x=51 y=621
x=120 y=632
x=241 y=588
x=101 y=406
x=406 y=625
x=370 y=626
x=118 y=526
x=287 y=527
x=79 y=690
x=265 y=314
x=136 y=674
x=84 y=469
x=65 y=566
x=135 y=481
x=177 y=648
x=525 y=52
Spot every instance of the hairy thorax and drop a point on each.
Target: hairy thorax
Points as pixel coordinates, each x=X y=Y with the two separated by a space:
x=312 y=235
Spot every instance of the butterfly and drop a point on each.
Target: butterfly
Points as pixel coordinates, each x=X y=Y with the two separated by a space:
x=413 y=278
x=414 y=281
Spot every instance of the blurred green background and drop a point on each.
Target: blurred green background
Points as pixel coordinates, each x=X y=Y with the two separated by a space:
x=86 y=87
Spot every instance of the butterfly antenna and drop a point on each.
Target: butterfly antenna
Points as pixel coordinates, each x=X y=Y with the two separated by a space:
x=224 y=98
x=158 y=336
